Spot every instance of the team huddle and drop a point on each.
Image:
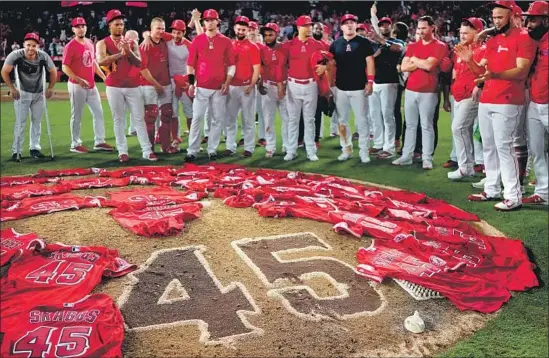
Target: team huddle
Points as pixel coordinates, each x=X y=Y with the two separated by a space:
x=498 y=91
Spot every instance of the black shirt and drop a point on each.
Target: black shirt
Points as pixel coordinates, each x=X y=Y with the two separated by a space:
x=350 y=57
x=386 y=63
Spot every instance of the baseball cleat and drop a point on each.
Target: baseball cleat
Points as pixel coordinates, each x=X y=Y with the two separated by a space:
x=190 y=158
x=375 y=150
x=289 y=156
x=535 y=200
x=427 y=164
x=247 y=154
x=300 y=144
x=312 y=158
x=355 y=136
x=124 y=158
x=416 y=158
x=228 y=153
x=152 y=157
x=402 y=161
x=508 y=205
x=450 y=164
x=103 y=147
x=262 y=142
x=16 y=157
x=458 y=174
x=269 y=154
x=479 y=168
x=479 y=185
x=79 y=149
x=344 y=156
x=482 y=197
x=212 y=156
x=385 y=155
x=35 y=154
x=365 y=158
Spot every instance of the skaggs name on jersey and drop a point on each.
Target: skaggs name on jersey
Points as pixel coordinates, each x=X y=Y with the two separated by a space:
x=88 y=316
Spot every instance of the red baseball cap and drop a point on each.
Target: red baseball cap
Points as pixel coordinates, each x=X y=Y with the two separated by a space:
x=517 y=11
x=242 y=20
x=271 y=26
x=385 y=19
x=348 y=17
x=304 y=20
x=537 y=8
x=253 y=25
x=114 y=14
x=476 y=23
x=210 y=14
x=78 y=21
x=362 y=26
x=178 y=25
x=504 y=4
x=32 y=36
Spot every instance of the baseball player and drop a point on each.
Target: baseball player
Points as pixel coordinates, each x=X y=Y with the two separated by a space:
x=80 y=66
x=123 y=85
x=355 y=74
x=156 y=87
x=383 y=98
x=537 y=23
x=465 y=101
x=503 y=69
x=256 y=38
x=211 y=67
x=242 y=94
x=422 y=60
x=29 y=62
x=302 y=90
x=273 y=59
x=131 y=35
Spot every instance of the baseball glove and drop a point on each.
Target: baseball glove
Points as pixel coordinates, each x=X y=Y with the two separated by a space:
x=261 y=87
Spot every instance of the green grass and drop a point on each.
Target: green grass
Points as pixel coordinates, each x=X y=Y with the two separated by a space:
x=521 y=329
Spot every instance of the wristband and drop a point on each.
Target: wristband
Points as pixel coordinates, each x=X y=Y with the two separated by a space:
x=480 y=85
x=371 y=78
x=191 y=79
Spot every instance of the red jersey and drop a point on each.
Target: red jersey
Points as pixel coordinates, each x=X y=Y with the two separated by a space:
x=210 y=57
x=155 y=59
x=539 y=91
x=299 y=56
x=126 y=172
x=14 y=244
x=90 y=327
x=60 y=273
x=42 y=173
x=123 y=73
x=152 y=197
x=421 y=80
x=246 y=55
x=80 y=58
x=274 y=63
x=26 y=191
x=17 y=180
x=94 y=183
x=463 y=83
x=502 y=52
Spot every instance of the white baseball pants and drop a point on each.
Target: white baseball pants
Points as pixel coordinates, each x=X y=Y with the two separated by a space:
x=187 y=105
x=79 y=97
x=217 y=104
x=33 y=102
x=260 y=116
x=382 y=111
x=538 y=133
x=270 y=103
x=464 y=114
x=345 y=100
x=238 y=100
x=131 y=98
x=477 y=144
x=301 y=97
x=453 y=155
x=419 y=108
x=498 y=126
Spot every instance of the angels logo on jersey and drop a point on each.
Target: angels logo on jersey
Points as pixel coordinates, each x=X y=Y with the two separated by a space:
x=151 y=199
x=87 y=59
x=437 y=261
x=151 y=215
x=54 y=206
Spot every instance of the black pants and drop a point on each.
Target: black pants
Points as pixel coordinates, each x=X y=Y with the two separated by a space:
x=418 y=148
x=398 y=113
x=321 y=104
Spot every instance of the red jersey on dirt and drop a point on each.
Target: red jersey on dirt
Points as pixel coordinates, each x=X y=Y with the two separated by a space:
x=123 y=73
x=90 y=327
x=80 y=58
x=14 y=244
x=299 y=56
x=155 y=59
x=421 y=80
x=502 y=52
x=246 y=55
x=20 y=192
x=539 y=91
x=210 y=57
x=463 y=83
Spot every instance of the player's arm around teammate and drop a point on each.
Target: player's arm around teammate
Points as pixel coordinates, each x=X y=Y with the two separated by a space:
x=242 y=89
x=80 y=66
x=355 y=75
x=28 y=64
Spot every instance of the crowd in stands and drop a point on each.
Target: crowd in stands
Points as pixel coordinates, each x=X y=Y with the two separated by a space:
x=52 y=22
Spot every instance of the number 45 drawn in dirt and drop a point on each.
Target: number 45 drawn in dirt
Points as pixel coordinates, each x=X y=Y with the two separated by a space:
x=177 y=287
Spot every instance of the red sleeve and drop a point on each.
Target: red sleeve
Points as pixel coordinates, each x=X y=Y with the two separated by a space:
x=441 y=51
x=166 y=36
x=117 y=266
x=255 y=55
x=526 y=47
x=193 y=55
x=409 y=50
x=67 y=55
x=144 y=58
x=229 y=54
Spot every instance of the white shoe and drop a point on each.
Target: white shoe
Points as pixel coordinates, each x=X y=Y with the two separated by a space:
x=427 y=164
x=458 y=174
x=312 y=158
x=289 y=156
x=479 y=185
x=344 y=156
x=508 y=205
x=402 y=161
x=365 y=158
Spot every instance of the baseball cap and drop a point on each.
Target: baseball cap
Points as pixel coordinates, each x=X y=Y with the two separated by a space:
x=210 y=14
x=253 y=25
x=537 y=8
x=242 y=20
x=78 y=21
x=517 y=11
x=362 y=27
x=271 y=26
x=348 y=17
x=475 y=22
x=304 y=20
x=178 y=25
x=32 y=36
x=385 y=19
x=113 y=15
x=504 y=4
